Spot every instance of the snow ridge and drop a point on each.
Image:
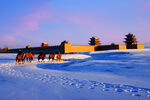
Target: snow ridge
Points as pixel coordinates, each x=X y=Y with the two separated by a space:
x=48 y=78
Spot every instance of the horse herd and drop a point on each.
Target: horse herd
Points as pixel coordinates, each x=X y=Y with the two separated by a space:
x=28 y=56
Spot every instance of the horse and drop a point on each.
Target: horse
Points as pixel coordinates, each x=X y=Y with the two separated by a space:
x=41 y=56
x=29 y=56
x=20 y=58
x=59 y=56
x=52 y=56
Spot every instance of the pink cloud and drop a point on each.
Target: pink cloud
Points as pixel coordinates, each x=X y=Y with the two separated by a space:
x=146 y=4
x=8 y=38
x=31 y=21
x=145 y=25
x=144 y=30
x=72 y=18
x=81 y=19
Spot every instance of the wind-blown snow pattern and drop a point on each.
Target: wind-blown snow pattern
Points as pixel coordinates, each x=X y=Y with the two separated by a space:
x=101 y=75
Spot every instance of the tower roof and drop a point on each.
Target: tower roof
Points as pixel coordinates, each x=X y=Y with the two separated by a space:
x=95 y=37
x=131 y=33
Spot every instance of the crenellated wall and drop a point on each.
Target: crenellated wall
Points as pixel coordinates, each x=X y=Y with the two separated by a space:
x=110 y=47
x=68 y=48
x=37 y=50
x=122 y=47
x=137 y=46
x=140 y=46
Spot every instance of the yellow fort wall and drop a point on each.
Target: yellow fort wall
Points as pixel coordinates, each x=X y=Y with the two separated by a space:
x=140 y=46
x=68 y=48
x=136 y=46
x=122 y=47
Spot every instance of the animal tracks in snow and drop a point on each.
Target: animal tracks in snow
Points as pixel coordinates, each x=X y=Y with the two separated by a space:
x=50 y=78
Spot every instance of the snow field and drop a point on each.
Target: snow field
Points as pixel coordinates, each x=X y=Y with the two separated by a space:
x=111 y=73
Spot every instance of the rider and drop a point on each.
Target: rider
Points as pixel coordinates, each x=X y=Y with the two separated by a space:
x=20 y=56
x=59 y=56
x=19 y=52
x=41 y=56
x=52 y=56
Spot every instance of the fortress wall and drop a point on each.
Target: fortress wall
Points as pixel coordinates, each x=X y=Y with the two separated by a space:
x=47 y=50
x=140 y=46
x=16 y=50
x=137 y=46
x=68 y=48
x=110 y=47
x=122 y=47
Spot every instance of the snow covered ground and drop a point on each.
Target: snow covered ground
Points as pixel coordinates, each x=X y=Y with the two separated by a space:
x=102 y=75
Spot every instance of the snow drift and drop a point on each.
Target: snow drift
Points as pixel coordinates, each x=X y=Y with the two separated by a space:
x=105 y=75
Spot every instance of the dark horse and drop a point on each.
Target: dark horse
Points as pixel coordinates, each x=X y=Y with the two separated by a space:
x=20 y=58
x=52 y=56
x=41 y=56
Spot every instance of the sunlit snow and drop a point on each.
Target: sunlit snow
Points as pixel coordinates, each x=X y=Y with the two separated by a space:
x=101 y=75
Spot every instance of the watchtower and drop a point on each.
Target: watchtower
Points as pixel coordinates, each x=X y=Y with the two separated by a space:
x=94 y=41
x=130 y=40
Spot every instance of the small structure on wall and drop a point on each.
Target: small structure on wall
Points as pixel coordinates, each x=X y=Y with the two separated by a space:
x=94 y=41
x=4 y=50
x=28 y=47
x=44 y=44
x=64 y=42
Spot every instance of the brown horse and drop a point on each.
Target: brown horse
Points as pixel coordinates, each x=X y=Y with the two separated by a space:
x=52 y=56
x=41 y=56
x=59 y=56
x=29 y=56
x=20 y=58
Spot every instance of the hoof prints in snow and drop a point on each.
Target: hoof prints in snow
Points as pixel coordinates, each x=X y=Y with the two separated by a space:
x=64 y=81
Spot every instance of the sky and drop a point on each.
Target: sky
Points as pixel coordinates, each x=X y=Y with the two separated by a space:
x=31 y=22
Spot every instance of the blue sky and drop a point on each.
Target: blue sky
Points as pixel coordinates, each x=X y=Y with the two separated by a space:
x=31 y=22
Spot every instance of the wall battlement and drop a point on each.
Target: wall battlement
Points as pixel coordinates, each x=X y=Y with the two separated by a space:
x=69 y=48
x=136 y=46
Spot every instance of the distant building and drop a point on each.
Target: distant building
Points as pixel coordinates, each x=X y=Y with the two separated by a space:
x=130 y=39
x=44 y=44
x=4 y=50
x=94 y=41
x=131 y=42
x=28 y=46
x=64 y=42
x=94 y=45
